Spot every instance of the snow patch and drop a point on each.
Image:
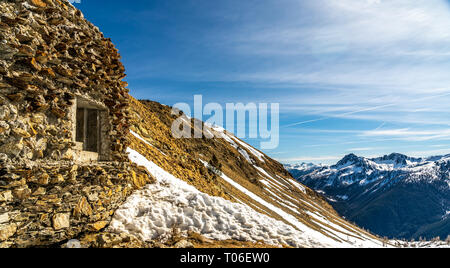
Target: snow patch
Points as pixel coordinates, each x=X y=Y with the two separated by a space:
x=252 y=150
x=146 y=142
x=152 y=212
x=308 y=233
x=298 y=185
x=245 y=155
x=140 y=138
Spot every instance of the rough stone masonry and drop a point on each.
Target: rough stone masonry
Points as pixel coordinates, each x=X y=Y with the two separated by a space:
x=50 y=56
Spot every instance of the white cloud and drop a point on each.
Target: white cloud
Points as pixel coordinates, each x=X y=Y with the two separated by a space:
x=396 y=132
x=409 y=135
x=428 y=153
x=362 y=149
x=308 y=159
x=371 y=60
x=383 y=46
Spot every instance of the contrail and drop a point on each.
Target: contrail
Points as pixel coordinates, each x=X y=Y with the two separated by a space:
x=344 y=114
x=362 y=110
x=382 y=125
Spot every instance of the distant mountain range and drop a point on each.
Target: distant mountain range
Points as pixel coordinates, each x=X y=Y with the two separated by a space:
x=394 y=196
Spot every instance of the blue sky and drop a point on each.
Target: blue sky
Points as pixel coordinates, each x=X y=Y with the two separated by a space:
x=369 y=77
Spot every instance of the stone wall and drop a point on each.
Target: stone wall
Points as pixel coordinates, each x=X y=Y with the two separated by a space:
x=47 y=204
x=49 y=55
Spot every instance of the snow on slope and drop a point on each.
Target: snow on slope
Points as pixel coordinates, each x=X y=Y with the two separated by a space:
x=224 y=136
x=236 y=143
x=140 y=138
x=307 y=232
x=252 y=150
x=145 y=141
x=153 y=211
x=422 y=244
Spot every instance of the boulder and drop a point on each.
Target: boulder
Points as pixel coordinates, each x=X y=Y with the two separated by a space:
x=61 y=221
x=6 y=231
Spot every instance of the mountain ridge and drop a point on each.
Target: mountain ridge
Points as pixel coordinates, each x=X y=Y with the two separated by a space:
x=377 y=192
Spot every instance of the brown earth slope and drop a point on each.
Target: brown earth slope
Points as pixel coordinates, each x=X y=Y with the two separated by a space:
x=257 y=173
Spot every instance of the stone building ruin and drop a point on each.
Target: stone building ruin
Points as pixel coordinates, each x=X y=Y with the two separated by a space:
x=64 y=123
x=55 y=67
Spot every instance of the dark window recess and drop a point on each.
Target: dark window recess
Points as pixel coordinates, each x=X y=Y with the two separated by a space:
x=80 y=125
x=92 y=131
x=88 y=128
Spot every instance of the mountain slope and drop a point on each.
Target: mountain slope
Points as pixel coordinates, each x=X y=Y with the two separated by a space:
x=394 y=196
x=222 y=188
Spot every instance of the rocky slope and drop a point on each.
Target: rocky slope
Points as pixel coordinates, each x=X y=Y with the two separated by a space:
x=222 y=189
x=394 y=196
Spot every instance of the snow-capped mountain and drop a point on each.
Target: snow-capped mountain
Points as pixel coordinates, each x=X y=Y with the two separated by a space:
x=394 y=195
